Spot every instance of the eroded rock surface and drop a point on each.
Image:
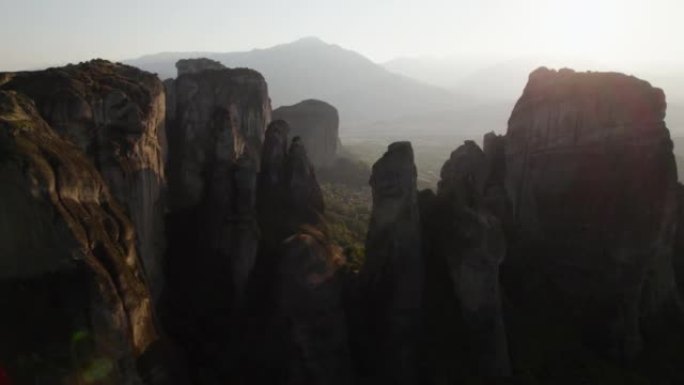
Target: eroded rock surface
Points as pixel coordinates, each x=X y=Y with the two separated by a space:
x=592 y=181
x=218 y=116
x=115 y=114
x=391 y=280
x=465 y=239
x=217 y=119
x=301 y=336
x=192 y=66
x=317 y=124
x=75 y=305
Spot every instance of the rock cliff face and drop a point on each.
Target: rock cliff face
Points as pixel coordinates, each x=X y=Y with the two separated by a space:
x=465 y=239
x=302 y=337
x=678 y=257
x=216 y=116
x=115 y=114
x=592 y=181
x=76 y=307
x=391 y=280
x=216 y=125
x=317 y=124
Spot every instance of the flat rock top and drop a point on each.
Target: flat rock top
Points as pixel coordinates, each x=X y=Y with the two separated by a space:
x=188 y=66
x=565 y=108
x=565 y=85
x=98 y=77
x=307 y=107
x=216 y=72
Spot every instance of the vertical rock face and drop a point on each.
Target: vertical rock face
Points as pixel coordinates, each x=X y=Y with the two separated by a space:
x=463 y=235
x=303 y=338
x=464 y=232
x=115 y=114
x=495 y=195
x=678 y=257
x=218 y=117
x=317 y=124
x=272 y=187
x=216 y=128
x=75 y=306
x=305 y=196
x=592 y=180
x=392 y=277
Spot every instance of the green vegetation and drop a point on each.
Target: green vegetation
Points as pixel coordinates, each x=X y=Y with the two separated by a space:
x=347 y=171
x=430 y=154
x=348 y=214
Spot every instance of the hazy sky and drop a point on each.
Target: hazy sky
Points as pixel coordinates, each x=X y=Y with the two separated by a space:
x=43 y=32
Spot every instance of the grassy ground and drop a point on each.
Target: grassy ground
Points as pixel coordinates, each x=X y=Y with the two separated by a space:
x=348 y=214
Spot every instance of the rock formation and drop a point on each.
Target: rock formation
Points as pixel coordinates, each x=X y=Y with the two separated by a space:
x=317 y=124
x=192 y=66
x=75 y=305
x=592 y=182
x=302 y=338
x=678 y=257
x=216 y=116
x=391 y=280
x=495 y=196
x=115 y=114
x=216 y=125
x=551 y=255
x=464 y=238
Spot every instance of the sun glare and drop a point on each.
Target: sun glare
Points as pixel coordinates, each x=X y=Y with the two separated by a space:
x=586 y=28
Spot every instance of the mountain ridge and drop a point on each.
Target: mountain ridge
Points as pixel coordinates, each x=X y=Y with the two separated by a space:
x=311 y=68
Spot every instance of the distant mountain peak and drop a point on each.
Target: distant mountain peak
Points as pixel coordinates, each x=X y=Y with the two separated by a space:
x=361 y=90
x=309 y=40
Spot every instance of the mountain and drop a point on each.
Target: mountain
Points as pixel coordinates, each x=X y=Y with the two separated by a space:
x=309 y=68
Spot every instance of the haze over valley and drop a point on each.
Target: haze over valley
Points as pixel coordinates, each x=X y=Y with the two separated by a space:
x=435 y=102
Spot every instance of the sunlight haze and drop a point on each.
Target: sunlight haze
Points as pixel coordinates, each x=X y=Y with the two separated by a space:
x=631 y=33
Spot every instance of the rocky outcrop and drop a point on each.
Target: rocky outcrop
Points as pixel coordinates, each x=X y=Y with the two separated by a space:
x=678 y=257
x=75 y=305
x=466 y=236
x=193 y=66
x=288 y=193
x=552 y=254
x=495 y=195
x=218 y=116
x=465 y=239
x=115 y=114
x=592 y=181
x=301 y=336
x=317 y=124
x=391 y=280
x=216 y=128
